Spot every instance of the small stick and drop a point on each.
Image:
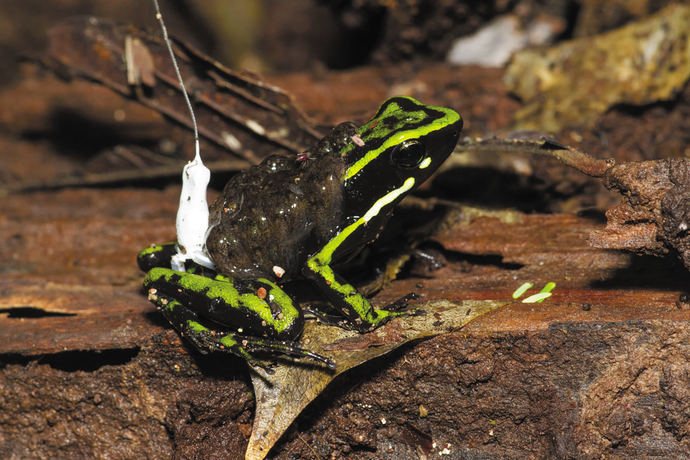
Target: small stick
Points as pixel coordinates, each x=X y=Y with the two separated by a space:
x=575 y=158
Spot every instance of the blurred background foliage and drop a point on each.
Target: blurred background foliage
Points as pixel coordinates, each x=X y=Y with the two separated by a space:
x=294 y=35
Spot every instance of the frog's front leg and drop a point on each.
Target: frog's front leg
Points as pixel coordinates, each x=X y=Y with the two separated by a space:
x=265 y=317
x=361 y=314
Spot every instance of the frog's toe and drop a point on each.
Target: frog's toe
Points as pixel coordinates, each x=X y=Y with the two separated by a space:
x=415 y=312
x=405 y=313
x=341 y=322
x=401 y=302
x=328 y=320
x=267 y=367
x=282 y=347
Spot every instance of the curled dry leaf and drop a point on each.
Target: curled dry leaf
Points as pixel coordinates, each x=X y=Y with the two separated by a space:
x=281 y=396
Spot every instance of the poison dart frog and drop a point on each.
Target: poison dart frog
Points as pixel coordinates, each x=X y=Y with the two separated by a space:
x=290 y=218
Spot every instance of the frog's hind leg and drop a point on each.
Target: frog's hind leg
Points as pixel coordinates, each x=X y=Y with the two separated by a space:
x=204 y=338
x=254 y=308
x=358 y=313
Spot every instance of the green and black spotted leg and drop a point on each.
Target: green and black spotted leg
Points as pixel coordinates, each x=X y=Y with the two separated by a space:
x=264 y=316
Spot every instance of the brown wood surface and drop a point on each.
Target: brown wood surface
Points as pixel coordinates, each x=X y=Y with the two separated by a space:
x=599 y=370
x=149 y=383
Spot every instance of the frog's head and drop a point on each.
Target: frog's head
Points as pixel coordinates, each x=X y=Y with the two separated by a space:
x=395 y=152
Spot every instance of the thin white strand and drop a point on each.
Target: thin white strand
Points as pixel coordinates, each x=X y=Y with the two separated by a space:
x=159 y=16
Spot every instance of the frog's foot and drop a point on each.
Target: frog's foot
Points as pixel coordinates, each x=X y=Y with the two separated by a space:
x=247 y=346
x=283 y=347
x=332 y=320
x=381 y=316
x=352 y=325
x=402 y=303
x=397 y=309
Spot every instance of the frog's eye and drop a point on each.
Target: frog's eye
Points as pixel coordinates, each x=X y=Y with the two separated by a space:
x=408 y=154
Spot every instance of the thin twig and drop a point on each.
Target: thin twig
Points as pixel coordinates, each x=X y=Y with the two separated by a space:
x=308 y=446
x=576 y=158
x=116 y=177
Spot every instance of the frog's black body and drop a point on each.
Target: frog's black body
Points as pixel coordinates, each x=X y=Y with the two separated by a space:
x=278 y=213
x=291 y=218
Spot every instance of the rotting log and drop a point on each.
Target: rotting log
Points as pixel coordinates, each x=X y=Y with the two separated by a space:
x=90 y=369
